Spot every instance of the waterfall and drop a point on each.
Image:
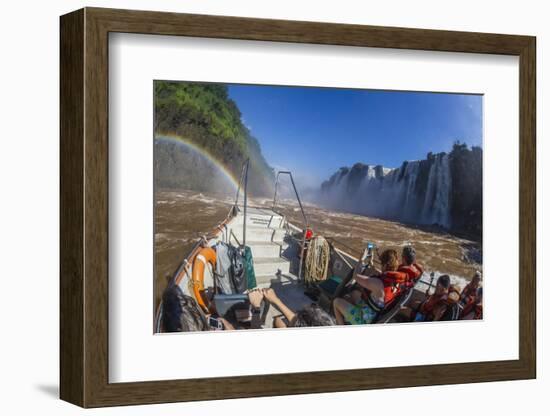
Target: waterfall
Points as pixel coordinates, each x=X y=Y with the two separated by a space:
x=436 y=209
x=417 y=192
x=409 y=209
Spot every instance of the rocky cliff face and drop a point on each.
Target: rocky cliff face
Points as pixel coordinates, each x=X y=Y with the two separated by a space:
x=445 y=189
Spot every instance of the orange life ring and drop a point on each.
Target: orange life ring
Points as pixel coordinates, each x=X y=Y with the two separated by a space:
x=207 y=254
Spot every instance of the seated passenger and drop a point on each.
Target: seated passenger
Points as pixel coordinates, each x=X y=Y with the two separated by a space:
x=433 y=308
x=408 y=265
x=181 y=313
x=470 y=290
x=453 y=309
x=311 y=315
x=376 y=292
x=474 y=309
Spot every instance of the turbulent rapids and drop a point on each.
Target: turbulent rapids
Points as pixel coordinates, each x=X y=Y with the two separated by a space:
x=182 y=217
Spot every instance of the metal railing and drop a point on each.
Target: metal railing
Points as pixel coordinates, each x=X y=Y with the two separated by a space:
x=243 y=183
x=243 y=179
x=285 y=172
x=306 y=221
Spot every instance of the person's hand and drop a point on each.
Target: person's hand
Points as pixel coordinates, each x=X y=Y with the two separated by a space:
x=270 y=295
x=255 y=297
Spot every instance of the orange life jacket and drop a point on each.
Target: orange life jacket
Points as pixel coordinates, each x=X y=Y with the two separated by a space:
x=479 y=312
x=414 y=272
x=468 y=294
x=473 y=306
x=393 y=284
x=427 y=308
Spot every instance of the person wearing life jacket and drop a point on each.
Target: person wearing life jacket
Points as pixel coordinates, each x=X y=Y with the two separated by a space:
x=435 y=306
x=453 y=295
x=453 y=308
x=377 y=291
x=409 y=266
x=474 y=309
x=393 y=279
x=470 y=290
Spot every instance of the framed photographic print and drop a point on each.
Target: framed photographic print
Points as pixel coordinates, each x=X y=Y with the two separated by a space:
x=257 y=207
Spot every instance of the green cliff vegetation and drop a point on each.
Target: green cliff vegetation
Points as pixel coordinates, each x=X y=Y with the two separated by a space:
x=204 y=115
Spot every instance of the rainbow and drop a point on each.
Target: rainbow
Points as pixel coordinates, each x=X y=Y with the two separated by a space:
x=180 y=141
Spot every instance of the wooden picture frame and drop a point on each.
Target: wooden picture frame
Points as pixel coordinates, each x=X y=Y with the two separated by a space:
x=84 y=207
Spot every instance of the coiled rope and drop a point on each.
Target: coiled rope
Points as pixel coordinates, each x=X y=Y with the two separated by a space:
x=317 y=260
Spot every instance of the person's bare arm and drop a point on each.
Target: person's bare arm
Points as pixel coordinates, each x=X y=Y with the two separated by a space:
x=370 y=283
x=373 y=284
x=227 y=325
x=370 y=269
x=271 y=297
x=278 y=322
x=255 y=296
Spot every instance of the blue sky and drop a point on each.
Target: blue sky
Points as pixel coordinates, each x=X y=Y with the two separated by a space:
x=315 y=131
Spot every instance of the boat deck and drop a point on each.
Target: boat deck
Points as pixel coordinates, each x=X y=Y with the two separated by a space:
x=275 y=258
x=275 y=246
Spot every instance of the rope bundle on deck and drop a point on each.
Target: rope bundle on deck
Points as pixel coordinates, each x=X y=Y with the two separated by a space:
x=317 y=260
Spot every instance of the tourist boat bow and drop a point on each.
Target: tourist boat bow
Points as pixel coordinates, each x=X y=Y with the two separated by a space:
x=278 y=248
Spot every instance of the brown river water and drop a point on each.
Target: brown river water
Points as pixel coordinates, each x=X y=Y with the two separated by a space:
x=182 y=217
